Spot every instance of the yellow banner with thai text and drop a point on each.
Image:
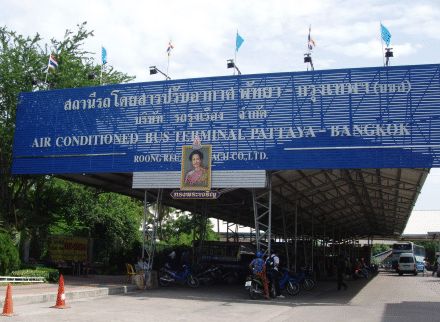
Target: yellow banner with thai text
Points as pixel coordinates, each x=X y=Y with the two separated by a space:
x=63 y=248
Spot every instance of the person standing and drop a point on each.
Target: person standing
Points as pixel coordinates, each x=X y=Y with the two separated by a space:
x=437 y=268
x=434 y=266
x=272 y=265
x=340 y=271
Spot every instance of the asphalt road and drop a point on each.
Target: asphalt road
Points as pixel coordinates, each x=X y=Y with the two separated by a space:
x=386 y=297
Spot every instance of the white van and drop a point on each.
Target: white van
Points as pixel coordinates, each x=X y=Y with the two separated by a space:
x=407 y=264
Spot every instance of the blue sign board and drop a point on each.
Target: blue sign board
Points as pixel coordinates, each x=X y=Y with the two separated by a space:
x=347 y=118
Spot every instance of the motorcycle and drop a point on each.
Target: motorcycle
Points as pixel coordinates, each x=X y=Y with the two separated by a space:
x=289 y=283
x=305 y=280
x=210 y=276
x=254 y=286
x=168 y=276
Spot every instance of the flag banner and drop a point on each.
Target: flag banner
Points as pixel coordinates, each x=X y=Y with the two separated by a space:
x=52 y=62
x=104 y=55
x=238 y=41
x=170 y=47
x=386 y=35
x=310 y=41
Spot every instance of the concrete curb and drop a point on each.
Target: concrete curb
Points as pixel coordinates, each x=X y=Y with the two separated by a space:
x=70 y=295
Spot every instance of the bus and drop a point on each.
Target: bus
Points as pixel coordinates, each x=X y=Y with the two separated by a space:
x=408 y=247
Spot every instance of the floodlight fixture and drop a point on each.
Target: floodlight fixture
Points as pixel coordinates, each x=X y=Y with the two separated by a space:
x=388 y=55
x=155 y=70
x=389 y=52
x=231 y=64
x=308 y=60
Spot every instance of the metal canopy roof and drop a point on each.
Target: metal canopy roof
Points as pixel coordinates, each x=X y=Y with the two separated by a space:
x=340 y=203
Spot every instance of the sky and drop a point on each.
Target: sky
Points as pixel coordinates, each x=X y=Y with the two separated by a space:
x=136 y=35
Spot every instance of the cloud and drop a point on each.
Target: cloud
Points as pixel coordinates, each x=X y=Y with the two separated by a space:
x=136 y=33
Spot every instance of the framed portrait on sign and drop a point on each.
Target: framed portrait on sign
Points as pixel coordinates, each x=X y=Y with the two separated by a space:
x=196 y=167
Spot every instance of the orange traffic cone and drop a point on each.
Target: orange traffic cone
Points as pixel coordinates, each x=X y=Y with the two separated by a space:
x=7 y=307
x=61 y=297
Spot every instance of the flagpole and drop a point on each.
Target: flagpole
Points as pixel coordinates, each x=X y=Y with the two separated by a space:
x=168 y=62
x=381 y=42
x=47 y=70
x=309 y=52
x=235 y=52
x=102 y=63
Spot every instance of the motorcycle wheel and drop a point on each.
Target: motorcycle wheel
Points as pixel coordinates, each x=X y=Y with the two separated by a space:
x=253 y=291
x=192 y=281
x=292 y=288
x=308 y=284
x=163 y=281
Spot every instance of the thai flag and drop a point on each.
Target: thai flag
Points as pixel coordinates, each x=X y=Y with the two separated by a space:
x=52 y=62
x=310 y=41
x=170 y=46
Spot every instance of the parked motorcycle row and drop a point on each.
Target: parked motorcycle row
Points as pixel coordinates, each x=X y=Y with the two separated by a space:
x=208 y=275
x=364 y=271
x=184 y=276
x=290 y=284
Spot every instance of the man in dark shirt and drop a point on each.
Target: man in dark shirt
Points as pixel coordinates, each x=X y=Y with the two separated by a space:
x=340 y=271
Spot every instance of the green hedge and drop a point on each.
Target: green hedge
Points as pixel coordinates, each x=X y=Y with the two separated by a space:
x=49 y=274
x=9 y=259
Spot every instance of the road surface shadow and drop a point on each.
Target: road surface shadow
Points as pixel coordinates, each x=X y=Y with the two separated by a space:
x=411 y=311
x=325 y=293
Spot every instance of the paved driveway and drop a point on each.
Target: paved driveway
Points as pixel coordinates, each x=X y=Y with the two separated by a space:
x=387 y=297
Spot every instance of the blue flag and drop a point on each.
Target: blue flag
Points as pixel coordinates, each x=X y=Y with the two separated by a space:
x=386 y=36
x=104 y=55
x=238 y=42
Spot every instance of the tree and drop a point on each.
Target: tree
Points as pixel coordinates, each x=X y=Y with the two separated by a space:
x=112 y=220
x=29 y=203
x=8 y=254
x=182 y=229
x=379 y=248
x=23 y=63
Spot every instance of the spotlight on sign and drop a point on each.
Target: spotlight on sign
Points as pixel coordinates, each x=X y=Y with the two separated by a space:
x=153 y=70
x=307 y=58
x=389 y=52
x=231 y=64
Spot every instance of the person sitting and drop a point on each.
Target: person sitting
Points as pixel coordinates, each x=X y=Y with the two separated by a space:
x=258 y=268
x=171 y=262
x=141 y=265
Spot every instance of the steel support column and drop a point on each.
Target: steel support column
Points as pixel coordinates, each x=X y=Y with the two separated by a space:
x=286 y=237
x=262 y=201
x=151 y=247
